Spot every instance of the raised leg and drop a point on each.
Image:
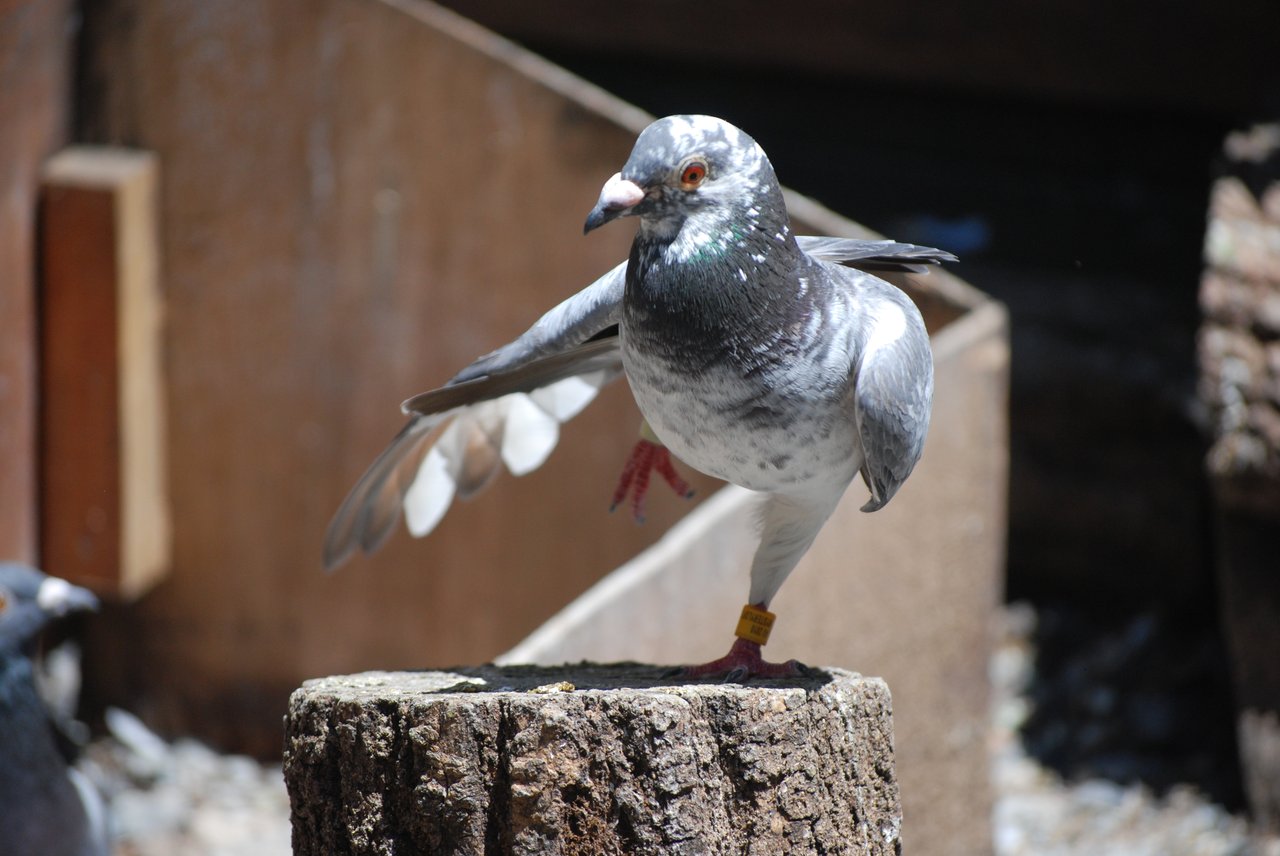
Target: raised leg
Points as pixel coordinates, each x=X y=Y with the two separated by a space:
x=646 y=458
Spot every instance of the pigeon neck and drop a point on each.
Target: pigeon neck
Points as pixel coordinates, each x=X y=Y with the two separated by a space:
x=752 y=231
x=722 y=269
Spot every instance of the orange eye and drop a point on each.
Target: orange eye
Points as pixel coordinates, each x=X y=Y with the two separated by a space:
x=692 y=175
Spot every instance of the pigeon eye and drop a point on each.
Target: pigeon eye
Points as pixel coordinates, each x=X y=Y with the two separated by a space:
x=692 y=175
x=4 y=601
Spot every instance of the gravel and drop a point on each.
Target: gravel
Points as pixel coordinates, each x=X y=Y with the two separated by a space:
x=1095 y=710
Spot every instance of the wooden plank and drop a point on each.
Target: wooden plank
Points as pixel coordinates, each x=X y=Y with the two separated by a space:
x=34 y=74
x=104 y=516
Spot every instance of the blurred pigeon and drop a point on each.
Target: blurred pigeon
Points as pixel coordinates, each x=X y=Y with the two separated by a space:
x=46 y=808
x=765 y=359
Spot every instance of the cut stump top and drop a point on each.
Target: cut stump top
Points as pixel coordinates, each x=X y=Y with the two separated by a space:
x=590 y=758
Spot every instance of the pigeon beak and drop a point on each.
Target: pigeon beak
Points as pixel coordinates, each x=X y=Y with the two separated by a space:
x=58 y=597
x=617 y=198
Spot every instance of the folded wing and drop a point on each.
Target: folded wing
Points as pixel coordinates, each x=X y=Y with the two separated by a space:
x=893 y=396
x=879 y=255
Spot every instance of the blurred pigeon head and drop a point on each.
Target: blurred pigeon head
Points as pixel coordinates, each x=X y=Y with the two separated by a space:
x=30 y=599
x=46 y=807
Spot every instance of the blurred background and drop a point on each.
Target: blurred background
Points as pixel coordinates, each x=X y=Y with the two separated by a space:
x=344 y=201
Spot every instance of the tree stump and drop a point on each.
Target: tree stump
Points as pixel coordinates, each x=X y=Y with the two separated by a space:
x=1240 y=388
x=590 y=759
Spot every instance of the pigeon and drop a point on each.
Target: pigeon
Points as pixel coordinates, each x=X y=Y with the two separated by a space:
x=773 y=361
x=46 y=807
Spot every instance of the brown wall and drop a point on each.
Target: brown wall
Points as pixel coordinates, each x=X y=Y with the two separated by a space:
x=354 y=203
x=35 y=53
x=357 y=197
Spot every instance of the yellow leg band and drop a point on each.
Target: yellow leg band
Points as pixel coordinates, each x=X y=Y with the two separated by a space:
x=755 y=624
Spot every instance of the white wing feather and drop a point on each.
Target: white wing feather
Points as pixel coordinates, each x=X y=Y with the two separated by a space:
x=528 y=435
x=430 y=495
x=565 y=399
x=520 y=429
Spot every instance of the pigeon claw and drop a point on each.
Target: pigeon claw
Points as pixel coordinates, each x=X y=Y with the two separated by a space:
x=646 y=458
x=742 y=663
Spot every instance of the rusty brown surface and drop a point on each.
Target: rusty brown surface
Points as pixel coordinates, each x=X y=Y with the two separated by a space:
x=80 y=368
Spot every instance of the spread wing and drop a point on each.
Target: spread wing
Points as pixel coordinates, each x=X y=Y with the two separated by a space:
x=502 y=411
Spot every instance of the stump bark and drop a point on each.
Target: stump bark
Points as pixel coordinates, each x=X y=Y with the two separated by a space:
x=1240 y=388
x=590 y=759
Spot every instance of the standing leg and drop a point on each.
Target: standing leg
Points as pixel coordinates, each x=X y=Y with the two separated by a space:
x=788 y=526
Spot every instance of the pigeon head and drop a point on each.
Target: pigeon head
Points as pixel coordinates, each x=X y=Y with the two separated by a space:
x=29 y=600
x=688 y=167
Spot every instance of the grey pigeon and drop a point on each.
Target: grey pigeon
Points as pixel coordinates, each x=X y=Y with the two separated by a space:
x=772 y=361
x=46 y=808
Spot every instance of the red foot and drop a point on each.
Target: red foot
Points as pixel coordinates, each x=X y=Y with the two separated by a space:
x=645 y=458
x=742 y=662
